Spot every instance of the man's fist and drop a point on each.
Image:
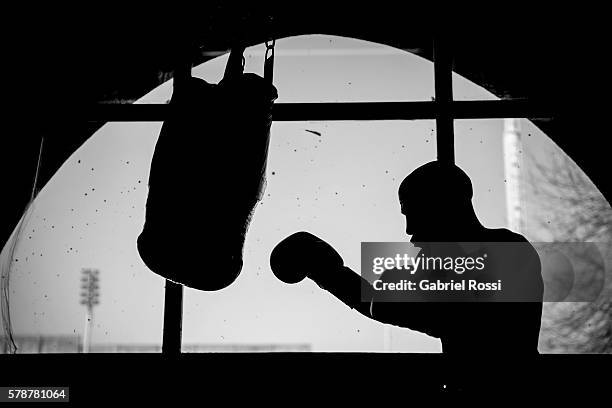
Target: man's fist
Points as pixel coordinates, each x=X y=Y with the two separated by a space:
x=303 y=255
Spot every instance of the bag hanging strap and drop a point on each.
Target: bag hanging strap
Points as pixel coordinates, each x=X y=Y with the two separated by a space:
x=235 y=63
x=269 y=61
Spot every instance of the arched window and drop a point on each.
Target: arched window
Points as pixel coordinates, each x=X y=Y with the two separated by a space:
x=337 y=179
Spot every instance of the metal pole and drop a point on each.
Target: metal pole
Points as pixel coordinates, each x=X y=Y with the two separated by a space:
x=173 y=298
x=443 y=81
x=173 y=319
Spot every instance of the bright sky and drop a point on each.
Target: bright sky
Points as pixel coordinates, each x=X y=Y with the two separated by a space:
x=341 y=186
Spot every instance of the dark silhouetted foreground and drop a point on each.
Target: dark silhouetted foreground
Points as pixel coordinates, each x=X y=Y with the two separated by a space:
x=436 y=201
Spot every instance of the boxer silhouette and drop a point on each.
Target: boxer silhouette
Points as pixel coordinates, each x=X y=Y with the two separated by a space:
x=436 y=200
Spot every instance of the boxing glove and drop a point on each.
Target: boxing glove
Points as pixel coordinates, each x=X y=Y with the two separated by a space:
x=304 y=255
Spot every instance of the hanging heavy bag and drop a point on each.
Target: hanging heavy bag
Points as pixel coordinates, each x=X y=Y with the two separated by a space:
x=207 y=175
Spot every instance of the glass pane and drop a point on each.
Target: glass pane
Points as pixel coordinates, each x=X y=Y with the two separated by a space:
x=339 y=181
x=524 y=182
x=478 y=151
x=464 y=89
x=324 y=68
x=88 y=217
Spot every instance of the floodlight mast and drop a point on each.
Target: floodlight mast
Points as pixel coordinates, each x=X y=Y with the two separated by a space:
x=512 y=173
x=90 y=297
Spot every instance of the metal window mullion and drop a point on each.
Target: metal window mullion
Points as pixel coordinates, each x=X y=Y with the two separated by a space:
x=443 y=85
x=323 y=111
x=173 y=292
x=173 y=319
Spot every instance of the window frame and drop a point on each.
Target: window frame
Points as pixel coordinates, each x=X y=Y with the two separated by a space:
x=444 y=109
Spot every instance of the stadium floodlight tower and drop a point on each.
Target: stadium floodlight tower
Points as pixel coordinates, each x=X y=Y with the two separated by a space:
x=512 y=146
x=90 y=297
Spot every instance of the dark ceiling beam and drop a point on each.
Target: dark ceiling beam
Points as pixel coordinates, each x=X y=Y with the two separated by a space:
x=333 y=111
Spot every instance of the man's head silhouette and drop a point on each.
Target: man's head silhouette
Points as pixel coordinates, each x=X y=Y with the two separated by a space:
x=437 y=197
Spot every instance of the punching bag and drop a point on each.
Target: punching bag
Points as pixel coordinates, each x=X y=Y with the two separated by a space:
x=207 y=176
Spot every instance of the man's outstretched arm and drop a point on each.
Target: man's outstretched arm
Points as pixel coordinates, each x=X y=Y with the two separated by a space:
x=304 y=255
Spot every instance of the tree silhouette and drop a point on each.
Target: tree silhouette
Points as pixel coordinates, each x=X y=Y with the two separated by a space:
x=563 y=205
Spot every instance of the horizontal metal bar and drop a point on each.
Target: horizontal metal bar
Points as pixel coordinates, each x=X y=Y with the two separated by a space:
x=354 y=111
x=335 y=111
x=411 y=110
x=511 y=108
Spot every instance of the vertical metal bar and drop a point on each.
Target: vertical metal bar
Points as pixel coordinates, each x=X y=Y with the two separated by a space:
x=173 y=319
x=443 y=80
x=173 y=299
